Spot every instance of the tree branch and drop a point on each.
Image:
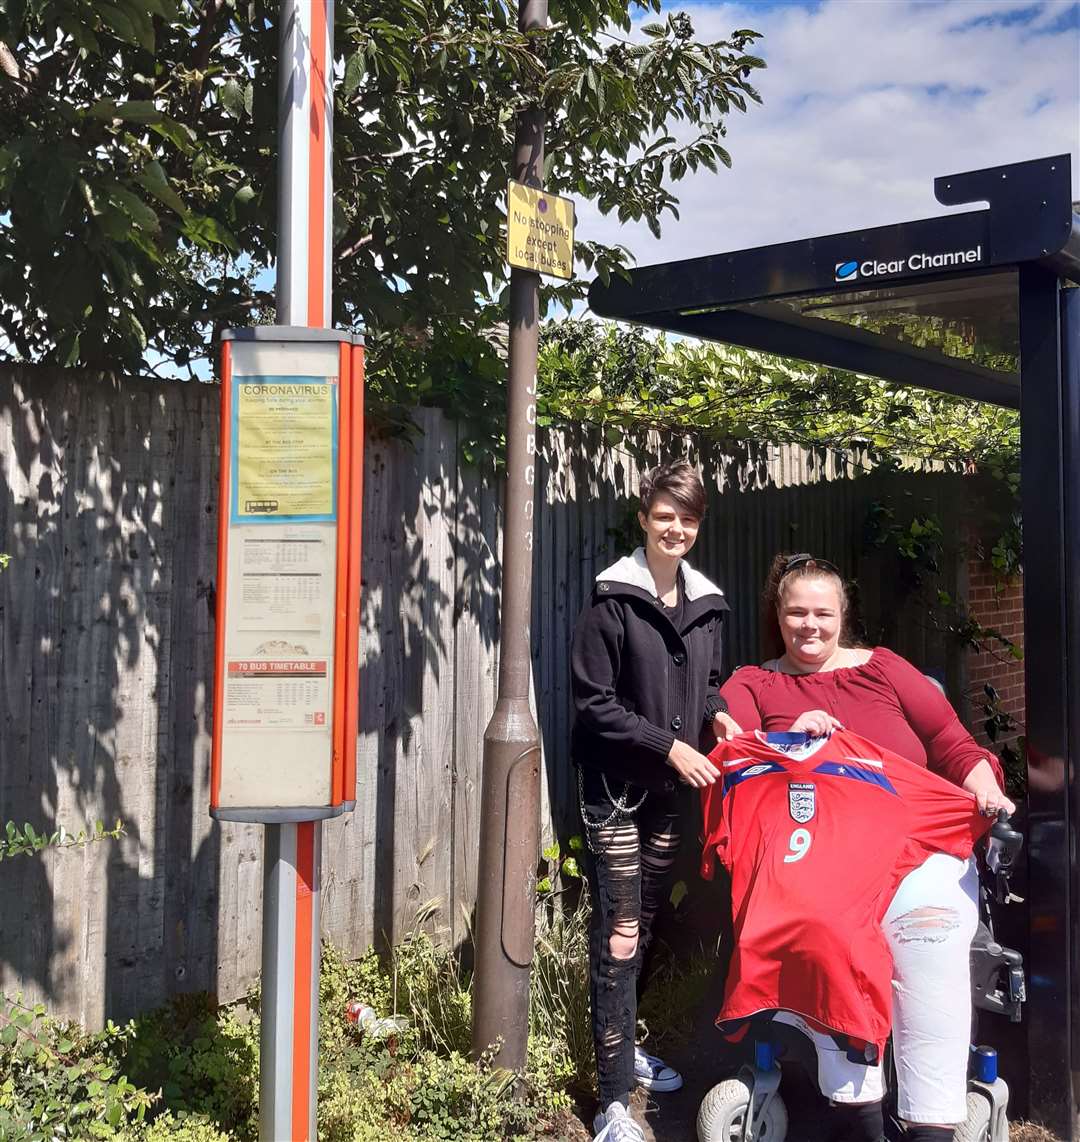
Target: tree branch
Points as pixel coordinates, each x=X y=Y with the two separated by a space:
x=204 y=43
x=9 y=65
x=351 y=249
x=204 y=38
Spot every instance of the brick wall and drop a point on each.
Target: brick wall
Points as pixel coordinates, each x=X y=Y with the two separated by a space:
x=1001 y=607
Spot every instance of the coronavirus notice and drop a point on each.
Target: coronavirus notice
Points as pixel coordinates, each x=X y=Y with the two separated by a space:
x=284 y=464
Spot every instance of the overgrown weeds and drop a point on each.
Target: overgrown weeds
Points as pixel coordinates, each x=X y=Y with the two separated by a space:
x=189 y=1072
x=420 y=1083
x=675 y=997
x=559 y=1001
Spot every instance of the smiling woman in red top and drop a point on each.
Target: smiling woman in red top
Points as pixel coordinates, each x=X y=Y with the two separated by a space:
x=821 y=681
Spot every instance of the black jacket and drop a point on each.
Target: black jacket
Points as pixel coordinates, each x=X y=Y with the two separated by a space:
x=638 y=683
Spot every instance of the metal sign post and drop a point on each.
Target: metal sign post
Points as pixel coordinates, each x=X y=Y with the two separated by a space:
x=288 y=599
x=510 y=799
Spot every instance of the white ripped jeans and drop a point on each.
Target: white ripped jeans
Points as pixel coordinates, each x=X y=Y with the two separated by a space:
x=929 y=926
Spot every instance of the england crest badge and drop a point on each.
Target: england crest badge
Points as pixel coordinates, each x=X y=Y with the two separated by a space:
x=802 y=801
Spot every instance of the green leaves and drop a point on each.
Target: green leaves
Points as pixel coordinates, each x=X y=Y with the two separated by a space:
x=557 y=870
x=153 y=178
x=354 y=73
x=236 y=98
x=17 y=841
x=628 y=378
x=115 y=163
x=56 y=1081
x=141 y=215
x=144 y=137
x=209 y=232
x=129 y=111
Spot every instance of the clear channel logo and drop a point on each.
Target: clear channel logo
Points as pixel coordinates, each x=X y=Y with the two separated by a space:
x=913 y=263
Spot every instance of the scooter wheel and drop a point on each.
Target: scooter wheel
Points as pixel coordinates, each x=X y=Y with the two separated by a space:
x=722 y=1115
x=976 y=1127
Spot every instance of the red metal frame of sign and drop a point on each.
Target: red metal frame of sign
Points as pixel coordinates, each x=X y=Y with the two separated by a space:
x=356 y=528
x=340 y=786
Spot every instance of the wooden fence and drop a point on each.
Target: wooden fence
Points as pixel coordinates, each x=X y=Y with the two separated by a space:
x=107 y=505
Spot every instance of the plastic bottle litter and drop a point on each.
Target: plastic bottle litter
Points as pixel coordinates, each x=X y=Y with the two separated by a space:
x=368 y=1022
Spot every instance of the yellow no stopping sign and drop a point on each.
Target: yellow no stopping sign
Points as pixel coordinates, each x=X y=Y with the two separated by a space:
x=539 y=231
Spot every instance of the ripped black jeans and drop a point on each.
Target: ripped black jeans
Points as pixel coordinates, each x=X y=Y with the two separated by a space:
x=629 y=861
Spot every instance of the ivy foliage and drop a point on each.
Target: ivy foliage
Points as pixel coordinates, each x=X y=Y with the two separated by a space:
x=917 y=544
x=627 y=379
x=138 y=150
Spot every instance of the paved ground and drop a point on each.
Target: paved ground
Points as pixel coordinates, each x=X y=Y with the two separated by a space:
x=697 y=1053
x=673 y=1117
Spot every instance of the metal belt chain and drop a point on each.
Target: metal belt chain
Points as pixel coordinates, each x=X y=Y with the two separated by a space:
x=620 y=810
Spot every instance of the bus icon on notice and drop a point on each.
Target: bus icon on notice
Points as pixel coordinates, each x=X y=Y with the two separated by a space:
x=846 y=271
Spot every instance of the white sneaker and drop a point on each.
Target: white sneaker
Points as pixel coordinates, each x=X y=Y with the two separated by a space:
x=653 y=1073
x=616 y=1125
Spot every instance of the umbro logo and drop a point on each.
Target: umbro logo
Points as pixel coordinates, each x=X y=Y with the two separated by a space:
x=754 y=770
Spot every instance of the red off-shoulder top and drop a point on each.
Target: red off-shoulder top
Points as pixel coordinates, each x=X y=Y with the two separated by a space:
x=886 y=699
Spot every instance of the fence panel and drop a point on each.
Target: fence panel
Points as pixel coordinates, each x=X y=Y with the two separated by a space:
x=107 y=504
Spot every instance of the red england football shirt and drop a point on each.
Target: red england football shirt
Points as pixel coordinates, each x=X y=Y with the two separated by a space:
x=817 y=834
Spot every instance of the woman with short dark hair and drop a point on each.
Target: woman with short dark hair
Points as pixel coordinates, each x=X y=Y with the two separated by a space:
x=645 y=673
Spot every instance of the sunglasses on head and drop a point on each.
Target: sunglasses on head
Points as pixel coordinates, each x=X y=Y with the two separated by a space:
x=804 y=557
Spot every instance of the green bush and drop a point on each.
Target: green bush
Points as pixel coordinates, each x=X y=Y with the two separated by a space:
x=428 y=1098
x=180 y=1127
x=363 y=1106
x=58 y=1082
x=420 y=1084
x=203 y=1059
x=192 y=1068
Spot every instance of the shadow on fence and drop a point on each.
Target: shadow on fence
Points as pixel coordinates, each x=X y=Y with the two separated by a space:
x=105 y=506
x=108 y=505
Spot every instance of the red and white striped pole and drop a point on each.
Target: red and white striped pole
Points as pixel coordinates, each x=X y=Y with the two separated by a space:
x=292 y=852
x=305 y=162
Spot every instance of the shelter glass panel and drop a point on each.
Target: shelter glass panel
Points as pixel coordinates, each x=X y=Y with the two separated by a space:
x=972 y=319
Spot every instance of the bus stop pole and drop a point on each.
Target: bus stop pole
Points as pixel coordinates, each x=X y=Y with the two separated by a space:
x=510 y=797
x=292 y=852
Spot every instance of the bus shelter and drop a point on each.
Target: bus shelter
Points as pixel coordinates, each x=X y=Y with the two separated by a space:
x=982 y=304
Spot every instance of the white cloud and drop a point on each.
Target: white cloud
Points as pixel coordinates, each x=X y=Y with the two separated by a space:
x=865 y=103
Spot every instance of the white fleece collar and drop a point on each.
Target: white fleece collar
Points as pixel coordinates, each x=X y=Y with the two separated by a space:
x=633 y=571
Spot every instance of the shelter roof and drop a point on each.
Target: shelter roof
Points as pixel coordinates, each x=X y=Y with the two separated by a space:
x=932 y=303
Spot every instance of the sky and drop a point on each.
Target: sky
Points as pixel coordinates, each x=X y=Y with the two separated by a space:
x=865 y=102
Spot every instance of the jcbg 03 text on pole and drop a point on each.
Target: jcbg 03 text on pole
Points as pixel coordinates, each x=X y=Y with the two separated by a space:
x=287 y=654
